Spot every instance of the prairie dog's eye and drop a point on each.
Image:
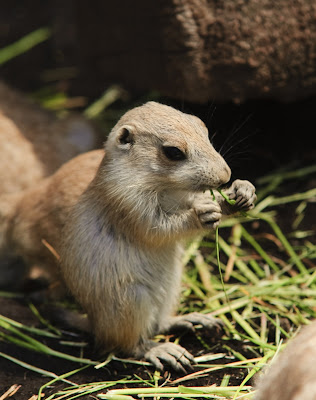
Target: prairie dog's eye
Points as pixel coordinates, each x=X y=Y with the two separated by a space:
x=173 y=153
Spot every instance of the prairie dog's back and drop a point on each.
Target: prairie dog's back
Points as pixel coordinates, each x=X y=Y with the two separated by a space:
x=34 y=143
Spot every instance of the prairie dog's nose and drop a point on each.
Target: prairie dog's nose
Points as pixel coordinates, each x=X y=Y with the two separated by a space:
x=224 y=175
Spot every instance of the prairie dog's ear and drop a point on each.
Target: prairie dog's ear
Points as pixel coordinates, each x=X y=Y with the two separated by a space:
x=125 y=137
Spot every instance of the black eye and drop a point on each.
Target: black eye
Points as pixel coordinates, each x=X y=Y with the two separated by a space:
x=173 y=153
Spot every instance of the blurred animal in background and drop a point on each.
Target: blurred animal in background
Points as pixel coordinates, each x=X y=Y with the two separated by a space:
x=292 y=375
x=34 y=143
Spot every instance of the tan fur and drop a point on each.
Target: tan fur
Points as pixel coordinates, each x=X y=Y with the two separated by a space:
x=34 y=143
x=292 y=375
x=120 y=240
x=38 y=214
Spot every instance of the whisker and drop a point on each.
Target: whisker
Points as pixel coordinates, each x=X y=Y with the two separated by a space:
x=210 y=113
x=234 y=131
x=213 y=136
x=237 y=143
x=235 y=159
x=238 y=157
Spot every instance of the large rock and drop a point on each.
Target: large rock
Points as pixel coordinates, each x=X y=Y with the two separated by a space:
x=200 y=50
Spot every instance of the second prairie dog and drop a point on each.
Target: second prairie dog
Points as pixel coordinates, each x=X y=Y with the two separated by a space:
x=34 y=143
x=39 y=213
x=120 y=235
x=292 y=375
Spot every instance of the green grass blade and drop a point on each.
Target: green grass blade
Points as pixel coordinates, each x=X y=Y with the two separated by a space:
x=33 y=368
x=301 y=267
x=33 y=344
x=257 y=368
x=250 y=239
x=24 y=44
x=36 y=331
x=109 y=96
x=239 y=263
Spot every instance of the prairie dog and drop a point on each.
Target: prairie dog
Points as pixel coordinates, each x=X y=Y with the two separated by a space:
x=119 y=223
x=292 y=375
x=34 y=143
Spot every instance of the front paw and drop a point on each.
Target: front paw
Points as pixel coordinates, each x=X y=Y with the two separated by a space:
x=244 y=194
x=169 y=353
x=208 y=212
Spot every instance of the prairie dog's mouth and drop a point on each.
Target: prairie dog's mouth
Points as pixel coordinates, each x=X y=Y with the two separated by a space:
x=222 y=187
x=205 y=188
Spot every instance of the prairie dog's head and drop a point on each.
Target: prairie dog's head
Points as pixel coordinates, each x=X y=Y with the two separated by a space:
x=162 y=147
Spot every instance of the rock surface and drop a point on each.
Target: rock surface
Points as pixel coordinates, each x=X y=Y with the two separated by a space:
x=201 y=50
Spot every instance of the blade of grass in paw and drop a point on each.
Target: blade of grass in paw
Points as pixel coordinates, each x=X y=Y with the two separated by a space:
x=231 y=202
x=224 y=195
x=217 y=253
x=213 y=195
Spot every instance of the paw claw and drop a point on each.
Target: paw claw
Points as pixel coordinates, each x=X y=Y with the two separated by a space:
x=172 y=354
x=244 y=193
x=195 y=318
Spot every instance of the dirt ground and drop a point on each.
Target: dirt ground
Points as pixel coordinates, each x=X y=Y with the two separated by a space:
x=30 y=382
